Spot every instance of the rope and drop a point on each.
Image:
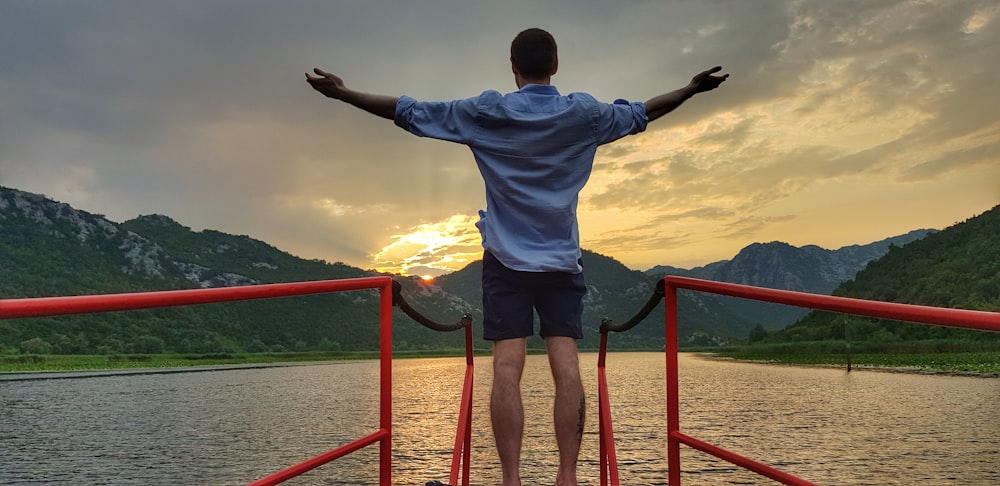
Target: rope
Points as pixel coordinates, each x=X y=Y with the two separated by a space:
x=399 y=301
x=607 y=325
x=654 y=300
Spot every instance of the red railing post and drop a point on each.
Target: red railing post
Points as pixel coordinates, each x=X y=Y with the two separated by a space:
x=673 y=398
x=606 y=435
x=385 y=382
x=470 y=371
x=463 y=434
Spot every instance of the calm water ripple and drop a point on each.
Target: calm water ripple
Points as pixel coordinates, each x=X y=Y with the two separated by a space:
x=233 y=426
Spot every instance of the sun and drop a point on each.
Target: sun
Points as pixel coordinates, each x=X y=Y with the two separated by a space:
x=427 y=278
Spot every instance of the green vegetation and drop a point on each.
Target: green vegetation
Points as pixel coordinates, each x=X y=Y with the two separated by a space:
x=62 y=362
x=958 y=267
x=48 y=248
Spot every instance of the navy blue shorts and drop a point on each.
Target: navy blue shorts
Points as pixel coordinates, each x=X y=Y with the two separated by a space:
x=511 y=297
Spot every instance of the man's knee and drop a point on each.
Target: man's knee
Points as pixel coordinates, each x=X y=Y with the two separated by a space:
x=509 y=356
x=564 y=361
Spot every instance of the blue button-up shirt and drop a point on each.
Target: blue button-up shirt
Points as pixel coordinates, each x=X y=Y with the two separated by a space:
x=535 y=150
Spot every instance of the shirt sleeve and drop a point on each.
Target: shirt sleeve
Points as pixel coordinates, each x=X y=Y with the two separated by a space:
x=619 y=119
x=453 y=121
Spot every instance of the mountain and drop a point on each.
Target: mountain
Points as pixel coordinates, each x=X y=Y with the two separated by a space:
x=617 y=292
x=956 y=267
x=49 y=248
x=808 y=268
x=782 y=266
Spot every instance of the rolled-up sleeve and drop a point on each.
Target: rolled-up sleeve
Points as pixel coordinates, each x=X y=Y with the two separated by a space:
x=620 y=119
x=404 y=106
x=453 y=121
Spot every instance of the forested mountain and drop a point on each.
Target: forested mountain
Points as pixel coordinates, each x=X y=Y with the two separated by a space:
x=957 y=267
x=48 y=248
x=778 y=265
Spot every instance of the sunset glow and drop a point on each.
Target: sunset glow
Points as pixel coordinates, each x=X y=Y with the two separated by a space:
x=434 y=248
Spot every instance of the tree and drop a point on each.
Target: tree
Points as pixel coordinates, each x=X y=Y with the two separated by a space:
x=36 y=346
x=757 y=334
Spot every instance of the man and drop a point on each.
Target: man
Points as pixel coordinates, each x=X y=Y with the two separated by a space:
x=535 y=150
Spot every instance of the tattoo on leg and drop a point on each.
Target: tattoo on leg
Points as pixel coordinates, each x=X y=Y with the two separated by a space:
x=579 y=424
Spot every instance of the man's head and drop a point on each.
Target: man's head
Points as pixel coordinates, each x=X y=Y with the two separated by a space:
x=533 y=55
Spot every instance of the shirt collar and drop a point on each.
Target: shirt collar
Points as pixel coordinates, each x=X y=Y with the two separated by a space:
x=539 y=89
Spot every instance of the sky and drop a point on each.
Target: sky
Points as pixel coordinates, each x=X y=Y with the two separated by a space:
x=842 y=122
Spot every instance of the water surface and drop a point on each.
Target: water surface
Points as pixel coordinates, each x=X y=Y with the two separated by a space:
x=233 y=426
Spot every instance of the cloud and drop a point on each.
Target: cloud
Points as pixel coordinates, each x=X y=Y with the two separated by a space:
x=432 y=248
x=954 y=160
x=199 y=110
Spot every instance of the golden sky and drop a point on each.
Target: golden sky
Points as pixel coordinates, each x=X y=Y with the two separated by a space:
x=843 y=122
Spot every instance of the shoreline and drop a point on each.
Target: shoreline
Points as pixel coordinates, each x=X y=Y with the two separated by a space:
x=40 y=375
x=855 y=367
x=96 y=372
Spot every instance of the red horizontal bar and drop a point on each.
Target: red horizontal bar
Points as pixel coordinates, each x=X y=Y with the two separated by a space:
x=968 y=319
x=82 y=304
x=303 y=467
x=733 y=458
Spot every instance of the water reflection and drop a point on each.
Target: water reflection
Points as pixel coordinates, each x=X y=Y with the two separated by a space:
x=230 y=427
x=837 y=428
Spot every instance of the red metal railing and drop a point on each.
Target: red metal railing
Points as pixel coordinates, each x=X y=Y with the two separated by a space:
x=54 y=306
x=968 y=319
x=606 y=437
x=463 y=432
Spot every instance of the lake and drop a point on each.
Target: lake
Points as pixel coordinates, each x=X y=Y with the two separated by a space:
x=235 y=425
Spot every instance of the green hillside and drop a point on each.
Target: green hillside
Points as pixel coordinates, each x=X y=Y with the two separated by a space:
x=958 y=267
x=50 y=249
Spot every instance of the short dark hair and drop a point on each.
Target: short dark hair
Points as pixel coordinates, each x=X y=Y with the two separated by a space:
x=534 y=53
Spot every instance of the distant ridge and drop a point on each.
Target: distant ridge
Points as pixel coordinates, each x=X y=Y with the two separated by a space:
x=49 y=248
x=782 y=266
x=779 y=265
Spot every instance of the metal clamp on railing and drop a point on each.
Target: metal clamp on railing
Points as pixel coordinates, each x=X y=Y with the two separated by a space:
x=654 y=300
x=399 y=301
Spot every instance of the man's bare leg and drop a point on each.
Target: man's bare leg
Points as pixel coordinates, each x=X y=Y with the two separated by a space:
x=506 y=409
x=570 y=405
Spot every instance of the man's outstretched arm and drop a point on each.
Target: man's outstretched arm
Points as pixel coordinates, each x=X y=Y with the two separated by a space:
x=333 y=87
x=701 y=82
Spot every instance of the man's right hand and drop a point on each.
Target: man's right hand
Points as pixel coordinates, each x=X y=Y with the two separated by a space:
x=328 y=84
